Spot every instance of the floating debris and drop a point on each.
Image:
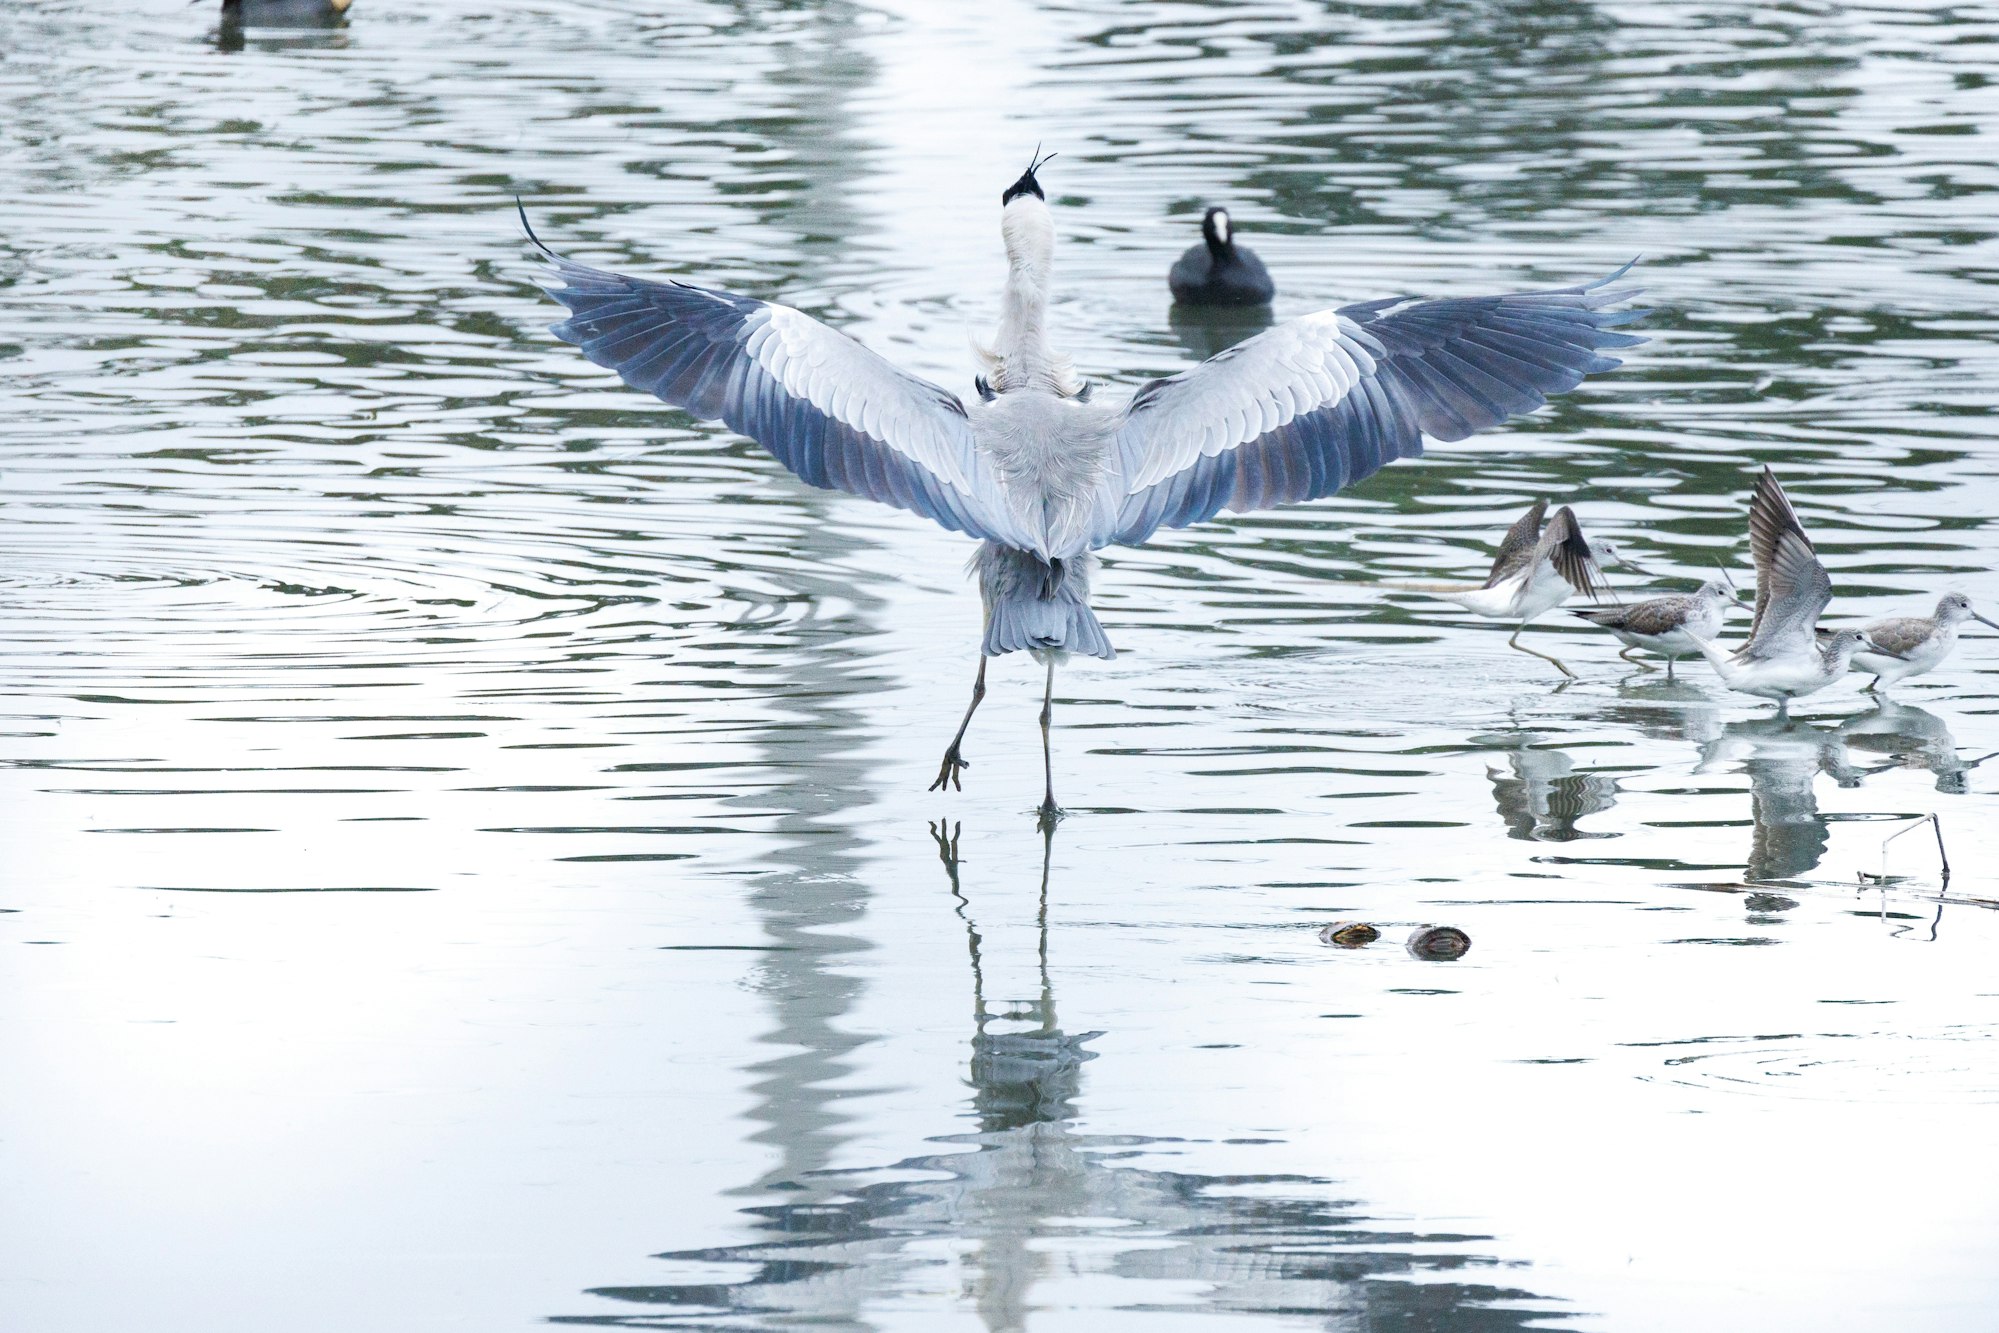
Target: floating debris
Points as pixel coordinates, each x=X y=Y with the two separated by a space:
x=1349 y=934
x=1439 y=944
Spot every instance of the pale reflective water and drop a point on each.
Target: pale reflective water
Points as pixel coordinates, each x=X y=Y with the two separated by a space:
x=468 y=861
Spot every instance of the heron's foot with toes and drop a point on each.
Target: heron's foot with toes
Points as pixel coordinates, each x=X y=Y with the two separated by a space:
x=949 y=773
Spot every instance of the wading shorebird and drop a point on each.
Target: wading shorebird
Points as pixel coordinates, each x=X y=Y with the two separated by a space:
x=1043 y=476
x=1667 y=626
x=1218 y=271
x=1537 y=569
x=1784 y=658
x=1922 y=641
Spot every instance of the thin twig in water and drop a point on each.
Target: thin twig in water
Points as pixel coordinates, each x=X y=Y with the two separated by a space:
x=1942 y=855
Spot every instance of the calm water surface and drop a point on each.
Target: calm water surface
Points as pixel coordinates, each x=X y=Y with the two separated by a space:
x=468 y=861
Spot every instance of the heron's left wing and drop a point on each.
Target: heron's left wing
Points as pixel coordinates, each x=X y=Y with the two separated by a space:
x=826 y=407
x=1318 y=403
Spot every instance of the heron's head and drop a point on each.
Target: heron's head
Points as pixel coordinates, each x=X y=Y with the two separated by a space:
x=1025 y=224
x=1215 y=230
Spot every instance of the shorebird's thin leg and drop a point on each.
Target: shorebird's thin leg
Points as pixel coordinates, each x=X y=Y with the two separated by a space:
x=1873 y=686
x=1783 y=708
x=1669 y=667
x=1049 y=813
x=1514 y=642
x=1642 y=666
x=955 y=763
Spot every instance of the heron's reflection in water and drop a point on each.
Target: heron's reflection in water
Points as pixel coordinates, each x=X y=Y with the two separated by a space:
x=1027 y=1215
x=1782 y=759
x=1208 y=330
x=1026 y=1071
x=1541 y=794
x=1906 y=736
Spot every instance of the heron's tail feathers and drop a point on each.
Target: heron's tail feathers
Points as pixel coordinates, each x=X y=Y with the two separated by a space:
x=1038 y=607
x=1053 y=626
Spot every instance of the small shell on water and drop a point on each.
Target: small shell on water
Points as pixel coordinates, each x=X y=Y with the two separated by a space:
x=1439 y=944
x=1349 y=934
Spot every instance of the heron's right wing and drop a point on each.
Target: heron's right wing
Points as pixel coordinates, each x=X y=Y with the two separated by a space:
x=1320 y=402
x=826 y=407
x=1517 y=550
x=1792 y=586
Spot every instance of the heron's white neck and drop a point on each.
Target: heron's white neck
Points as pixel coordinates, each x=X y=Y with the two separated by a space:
x=1022 y=347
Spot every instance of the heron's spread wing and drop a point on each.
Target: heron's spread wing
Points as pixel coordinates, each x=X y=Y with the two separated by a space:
x=826 y=407
x=1516 y=552
x=1792 y=587
x=1564 y=544
x=1318 y=403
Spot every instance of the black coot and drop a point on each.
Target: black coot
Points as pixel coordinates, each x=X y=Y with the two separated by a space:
x=1218 y=271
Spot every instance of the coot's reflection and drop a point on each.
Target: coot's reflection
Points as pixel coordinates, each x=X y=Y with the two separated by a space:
x=994 y=1223
x=1207 y=330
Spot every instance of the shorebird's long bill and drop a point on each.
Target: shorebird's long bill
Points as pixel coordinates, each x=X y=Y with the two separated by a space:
x=1982 y=620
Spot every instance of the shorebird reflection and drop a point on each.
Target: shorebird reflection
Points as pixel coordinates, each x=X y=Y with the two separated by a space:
x=1782 y=759
x=1906 y=736
x=1541 y=795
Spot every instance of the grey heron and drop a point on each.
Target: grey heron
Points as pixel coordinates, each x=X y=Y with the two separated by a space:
x=1784 y=657
x=1913 y=645
x=1218 y=271
x=1665 y=625
x=1043 y=476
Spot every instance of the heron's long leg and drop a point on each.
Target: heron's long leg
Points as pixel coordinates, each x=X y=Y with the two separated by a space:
x=1049 y=812
x=1514 y=642
x=1642 y=666
x=954 y=762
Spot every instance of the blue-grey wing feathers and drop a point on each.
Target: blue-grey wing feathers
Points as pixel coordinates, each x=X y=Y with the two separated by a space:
x=827 y=408
x=1321 y=402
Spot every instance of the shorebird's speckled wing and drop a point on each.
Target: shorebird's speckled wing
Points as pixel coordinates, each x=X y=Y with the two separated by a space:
x=1318 y=403
x=1792 y=587
x=1516 y=552
x=1562 y=542
x=1900 y=635
x=826 y=407
x=1661 y=615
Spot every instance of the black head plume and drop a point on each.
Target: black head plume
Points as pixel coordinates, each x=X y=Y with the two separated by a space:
x=1027 y=184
